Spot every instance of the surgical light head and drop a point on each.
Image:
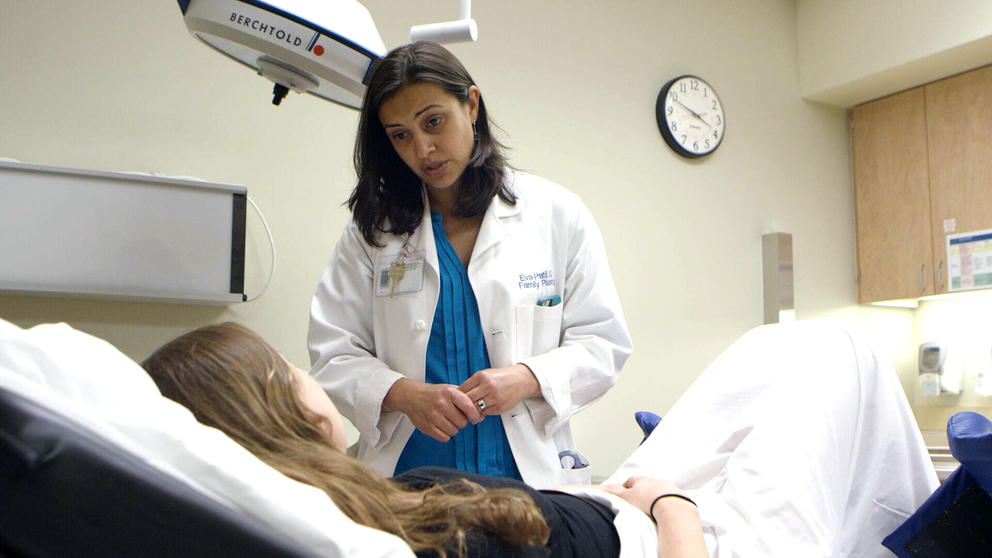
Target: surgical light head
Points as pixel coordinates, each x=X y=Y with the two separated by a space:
x=324 y=48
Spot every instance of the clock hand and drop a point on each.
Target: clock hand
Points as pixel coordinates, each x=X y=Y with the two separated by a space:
x=692 y=112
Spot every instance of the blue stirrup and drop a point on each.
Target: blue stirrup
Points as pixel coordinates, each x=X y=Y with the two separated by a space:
x=647 y=421
x=956 y=520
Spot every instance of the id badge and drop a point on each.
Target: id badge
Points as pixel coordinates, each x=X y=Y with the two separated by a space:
x=394 y=276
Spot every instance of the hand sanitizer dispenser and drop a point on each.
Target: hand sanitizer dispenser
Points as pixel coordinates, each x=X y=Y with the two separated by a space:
x=937 y=374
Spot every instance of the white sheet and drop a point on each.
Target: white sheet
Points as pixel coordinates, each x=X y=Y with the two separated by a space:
x=797 y=441
x=87 y=380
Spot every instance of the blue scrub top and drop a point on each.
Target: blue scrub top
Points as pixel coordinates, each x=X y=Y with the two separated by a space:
x=455 y=351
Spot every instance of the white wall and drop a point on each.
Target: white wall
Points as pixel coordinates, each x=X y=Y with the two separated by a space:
x=119 y=85
x=852 y=51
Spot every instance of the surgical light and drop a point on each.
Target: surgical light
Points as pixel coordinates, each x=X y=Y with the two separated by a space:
x=324 y=48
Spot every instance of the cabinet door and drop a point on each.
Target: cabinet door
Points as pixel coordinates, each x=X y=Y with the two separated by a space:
x=959 y=128
x=892 y=199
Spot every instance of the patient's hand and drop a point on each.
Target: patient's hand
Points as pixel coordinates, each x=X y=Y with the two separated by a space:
x=437 y=410
x=642 y=491
x=680 y=534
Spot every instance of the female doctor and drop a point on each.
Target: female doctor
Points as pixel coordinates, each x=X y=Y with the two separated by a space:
x=467 y=311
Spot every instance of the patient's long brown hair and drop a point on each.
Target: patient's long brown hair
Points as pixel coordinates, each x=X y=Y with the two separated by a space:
x=231 y=379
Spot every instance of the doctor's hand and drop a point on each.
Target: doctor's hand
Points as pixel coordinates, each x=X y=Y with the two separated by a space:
x=500 y=389
x=437 y=410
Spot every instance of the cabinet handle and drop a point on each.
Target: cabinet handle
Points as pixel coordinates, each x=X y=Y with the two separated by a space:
x=922 y=286
x=940 y=275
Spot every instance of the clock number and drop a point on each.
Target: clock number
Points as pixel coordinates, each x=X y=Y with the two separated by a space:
x=706 y=92
x=713 y=105
x=675 y=126
x=682 y=87
x=719 y=121
x=714 y=137
x=684 y=137
x=675 y=97
x=695 y=85
x=695 y=146
x=671 y=109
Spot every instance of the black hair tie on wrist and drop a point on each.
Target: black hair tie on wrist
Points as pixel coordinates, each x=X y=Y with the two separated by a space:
x=668 y=495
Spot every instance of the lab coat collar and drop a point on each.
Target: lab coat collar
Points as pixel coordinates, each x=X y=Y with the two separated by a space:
x=493 y=228
x=426 y=232
x=502 y=209
x=492 y=231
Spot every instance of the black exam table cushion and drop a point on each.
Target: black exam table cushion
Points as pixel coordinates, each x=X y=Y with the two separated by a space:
x=66 y=492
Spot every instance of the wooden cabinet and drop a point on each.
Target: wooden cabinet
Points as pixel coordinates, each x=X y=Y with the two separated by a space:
x=959 y=134
x=922 y=162
x=892 y=198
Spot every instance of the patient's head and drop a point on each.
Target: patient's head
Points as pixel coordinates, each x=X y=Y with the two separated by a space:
x=233 y=380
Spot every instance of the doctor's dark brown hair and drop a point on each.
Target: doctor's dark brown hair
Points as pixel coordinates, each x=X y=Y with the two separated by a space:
x=388 y=197
x=231 y=379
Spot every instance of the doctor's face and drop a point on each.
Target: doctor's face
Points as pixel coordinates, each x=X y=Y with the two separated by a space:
x=431 y=130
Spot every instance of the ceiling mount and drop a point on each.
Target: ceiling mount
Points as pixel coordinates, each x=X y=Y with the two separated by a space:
x=460 y=30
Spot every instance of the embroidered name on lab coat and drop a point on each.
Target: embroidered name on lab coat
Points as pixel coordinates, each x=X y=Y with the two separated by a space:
x=536 y=280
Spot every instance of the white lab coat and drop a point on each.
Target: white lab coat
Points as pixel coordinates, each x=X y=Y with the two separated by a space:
x=548 y=243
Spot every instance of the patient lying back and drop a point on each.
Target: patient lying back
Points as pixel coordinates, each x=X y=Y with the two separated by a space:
x=231 y=379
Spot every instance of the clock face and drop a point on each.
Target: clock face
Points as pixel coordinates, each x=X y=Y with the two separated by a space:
x=690 y=116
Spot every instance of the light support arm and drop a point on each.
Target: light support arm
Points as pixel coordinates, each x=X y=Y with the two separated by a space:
x=464 y=29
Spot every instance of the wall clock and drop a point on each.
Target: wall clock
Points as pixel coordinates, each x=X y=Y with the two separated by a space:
x=690 y=116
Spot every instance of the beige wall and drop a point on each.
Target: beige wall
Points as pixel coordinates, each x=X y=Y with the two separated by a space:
x=962 y=323
x=120 y=85
x=852 y=51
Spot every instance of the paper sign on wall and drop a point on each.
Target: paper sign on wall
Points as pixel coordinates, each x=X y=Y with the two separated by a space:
x=969 y=260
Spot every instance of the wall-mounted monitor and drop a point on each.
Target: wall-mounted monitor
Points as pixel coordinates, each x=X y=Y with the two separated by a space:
x=91 y=233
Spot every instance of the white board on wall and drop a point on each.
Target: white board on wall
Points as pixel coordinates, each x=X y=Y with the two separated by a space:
x=110 y=234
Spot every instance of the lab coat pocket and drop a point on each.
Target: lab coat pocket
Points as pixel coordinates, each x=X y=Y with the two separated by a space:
x=538 y=329
x=575 y=467
x=582 y=475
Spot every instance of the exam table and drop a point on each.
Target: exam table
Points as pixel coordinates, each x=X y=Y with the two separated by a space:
x=95 y=462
